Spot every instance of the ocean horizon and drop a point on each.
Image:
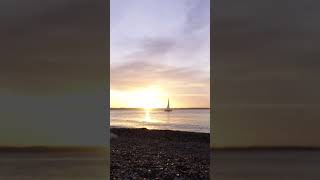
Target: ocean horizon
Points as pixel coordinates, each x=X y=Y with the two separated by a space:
x=180 y=119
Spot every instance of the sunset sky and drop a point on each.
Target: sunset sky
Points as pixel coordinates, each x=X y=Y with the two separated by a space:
x=160 y=50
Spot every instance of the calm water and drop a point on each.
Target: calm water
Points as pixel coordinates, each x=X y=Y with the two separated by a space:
x=194 y=120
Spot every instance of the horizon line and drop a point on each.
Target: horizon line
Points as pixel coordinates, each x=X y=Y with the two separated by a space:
x=111 y=108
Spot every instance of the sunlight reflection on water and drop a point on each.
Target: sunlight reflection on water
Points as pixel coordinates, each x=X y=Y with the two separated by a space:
x=196 y=120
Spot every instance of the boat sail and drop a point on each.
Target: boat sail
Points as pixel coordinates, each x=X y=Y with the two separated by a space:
x=168 y=109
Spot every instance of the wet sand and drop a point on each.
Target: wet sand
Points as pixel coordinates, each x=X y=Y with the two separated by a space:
x=159 y=154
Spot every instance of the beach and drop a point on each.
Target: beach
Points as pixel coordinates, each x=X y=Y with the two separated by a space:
x=159 y=154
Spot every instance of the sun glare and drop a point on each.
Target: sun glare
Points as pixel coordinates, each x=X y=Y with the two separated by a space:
x=147 y=98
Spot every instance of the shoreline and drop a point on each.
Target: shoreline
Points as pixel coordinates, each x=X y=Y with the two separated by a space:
x=150 y=129
x=143 y=153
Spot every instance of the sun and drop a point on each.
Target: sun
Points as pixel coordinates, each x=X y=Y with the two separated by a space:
x=147 y=98
x=144 y=97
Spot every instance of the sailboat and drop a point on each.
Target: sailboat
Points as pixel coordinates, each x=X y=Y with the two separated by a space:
x=168 y=109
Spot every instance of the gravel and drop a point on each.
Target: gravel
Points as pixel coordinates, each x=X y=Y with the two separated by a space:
x=159 y=154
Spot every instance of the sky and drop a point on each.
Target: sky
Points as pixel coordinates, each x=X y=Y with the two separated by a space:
x=160 y=50
x=266 y=73
x=53 y=73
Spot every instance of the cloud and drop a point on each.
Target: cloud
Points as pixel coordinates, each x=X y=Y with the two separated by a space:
x=152 y=48
x=142 y=74
x=197 y=16
x=187 y=87
x=170 y=50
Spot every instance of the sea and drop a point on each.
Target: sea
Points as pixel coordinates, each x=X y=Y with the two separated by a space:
x=191 y=120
